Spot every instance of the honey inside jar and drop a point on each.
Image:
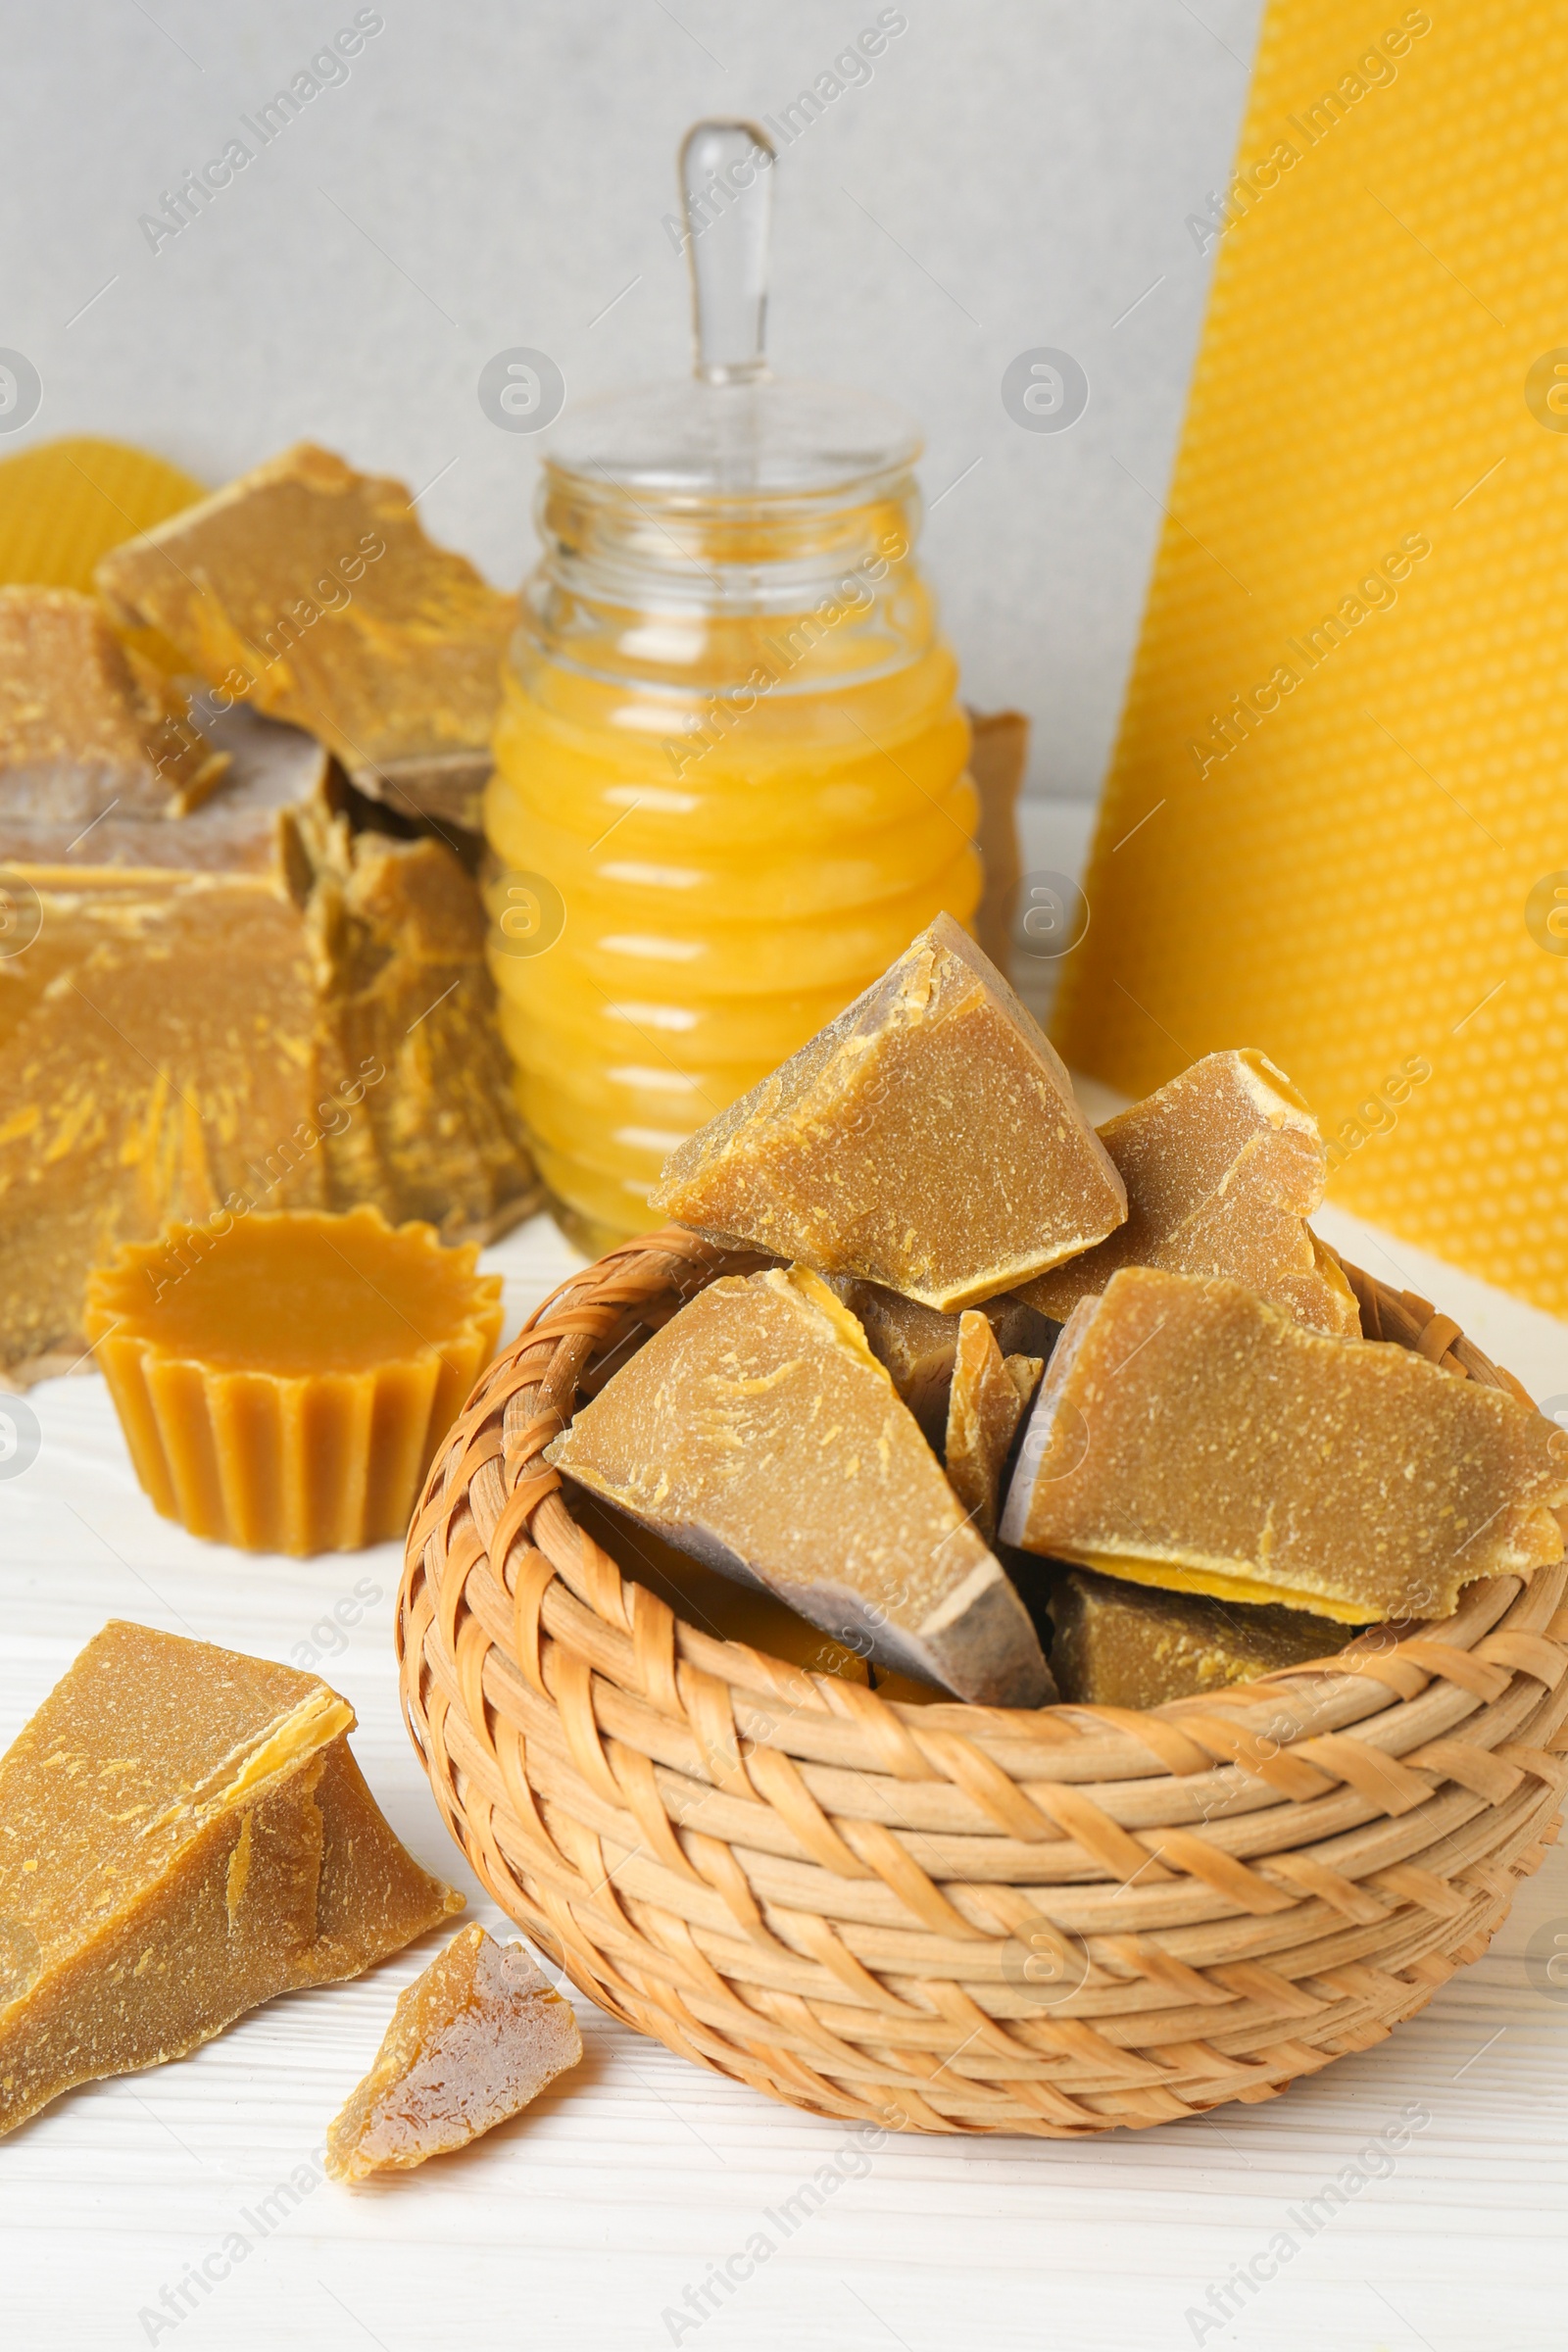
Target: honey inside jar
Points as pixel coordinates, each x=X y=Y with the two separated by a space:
x=732 y=767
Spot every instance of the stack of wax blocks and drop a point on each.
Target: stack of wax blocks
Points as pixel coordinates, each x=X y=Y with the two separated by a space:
x=1211 y=1421
x=230 y=981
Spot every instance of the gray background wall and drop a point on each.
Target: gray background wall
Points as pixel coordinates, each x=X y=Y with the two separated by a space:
x=1016 y=173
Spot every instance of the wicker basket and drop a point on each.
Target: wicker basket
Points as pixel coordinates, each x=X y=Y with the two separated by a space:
x=952 y=1918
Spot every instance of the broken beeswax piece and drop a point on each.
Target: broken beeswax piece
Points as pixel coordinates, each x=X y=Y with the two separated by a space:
x=757 y=1431
x=283 y=1381
x=1192 y=1436
x=183 y=1834
x=1116 y=1645
x=246 y=1007
x=1222 y=1168
x=312 y=591
x=917 y=1343
x=928 y=1140
x=986 y=1401
x=86 y=728
x=471 y=2040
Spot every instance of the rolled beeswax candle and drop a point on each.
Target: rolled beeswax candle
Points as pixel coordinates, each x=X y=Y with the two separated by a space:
x=928 y=1140
x=1222 y=1167
x=283 y=1382
x=757 y=1431
x=471 y=2040
x=183 y=1834
x=1190 y=1434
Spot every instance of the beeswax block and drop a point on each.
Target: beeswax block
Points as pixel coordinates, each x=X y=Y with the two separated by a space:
x=1222 y=1168
x=757 y=1432
x=986 y=1401
x=86 y=728
x=246 y=1007
x=1118 y=1644
x=183 y=1834
x=917 y=1343
x=312 y=591
x=472 y=2041
x=1334 y=821
x=928 y=1140
x=1189 y=1435
x=998 y=753
x=283 y=1381
x=715 y=1604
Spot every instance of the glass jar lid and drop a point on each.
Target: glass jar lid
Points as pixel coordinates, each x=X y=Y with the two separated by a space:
x=733 y=430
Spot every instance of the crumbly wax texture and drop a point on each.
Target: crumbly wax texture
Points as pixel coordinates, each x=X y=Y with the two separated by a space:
x=472 y=2040
x=757 y=1432
x=1190 y=1434
x=927 y=1139
x=183 y=1834
x=314 y=591
x=1222 y=1168
x=1115 y=1644
x=918 y=1343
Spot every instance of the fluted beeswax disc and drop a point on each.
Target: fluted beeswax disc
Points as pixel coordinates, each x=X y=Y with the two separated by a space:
x=65 y=504
x=1344 y=738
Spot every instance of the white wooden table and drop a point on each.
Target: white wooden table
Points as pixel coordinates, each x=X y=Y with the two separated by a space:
x=187 y=2205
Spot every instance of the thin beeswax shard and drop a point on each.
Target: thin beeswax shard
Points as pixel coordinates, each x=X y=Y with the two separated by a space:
x=917 y=1343
x=283 y=1381
x=312 y=591
x=1222 y=1168
x=86 y=728
x=183 y=1834
x=757 y=1432
x=988 y=1399
x=928 y=1140
x=1116 y=1645
x=472 y=2041
x=1190 y=1434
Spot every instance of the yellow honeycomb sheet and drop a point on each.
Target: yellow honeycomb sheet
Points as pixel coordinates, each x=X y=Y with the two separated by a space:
x=1344 y=748
x=65 y=504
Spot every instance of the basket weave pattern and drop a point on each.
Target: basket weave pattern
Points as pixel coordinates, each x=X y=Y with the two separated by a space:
x=953 y=1917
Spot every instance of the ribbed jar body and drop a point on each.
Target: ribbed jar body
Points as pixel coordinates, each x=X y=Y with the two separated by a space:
x=730 y=787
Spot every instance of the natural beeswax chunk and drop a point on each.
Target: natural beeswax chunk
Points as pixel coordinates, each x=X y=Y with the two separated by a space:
x=928 y=1140
x=283 y=1381
x=312 y=591
x=472 y=2041
x=1190 y=1434
x=1116 y=1645
x=757 y=1431
x=984 y=1405
x=1222 y=1167
x=183 y=1834
x=917 y=1343
x=86 y=728
x=245 y=1007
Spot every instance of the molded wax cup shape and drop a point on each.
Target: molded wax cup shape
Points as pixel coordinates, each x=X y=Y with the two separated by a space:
x=283 y=1384
x=186 y=1833
x=1190 y=1436
x=757 y=1432
x=472 y=2041
x=928 y=1140
x=1222 y=1167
